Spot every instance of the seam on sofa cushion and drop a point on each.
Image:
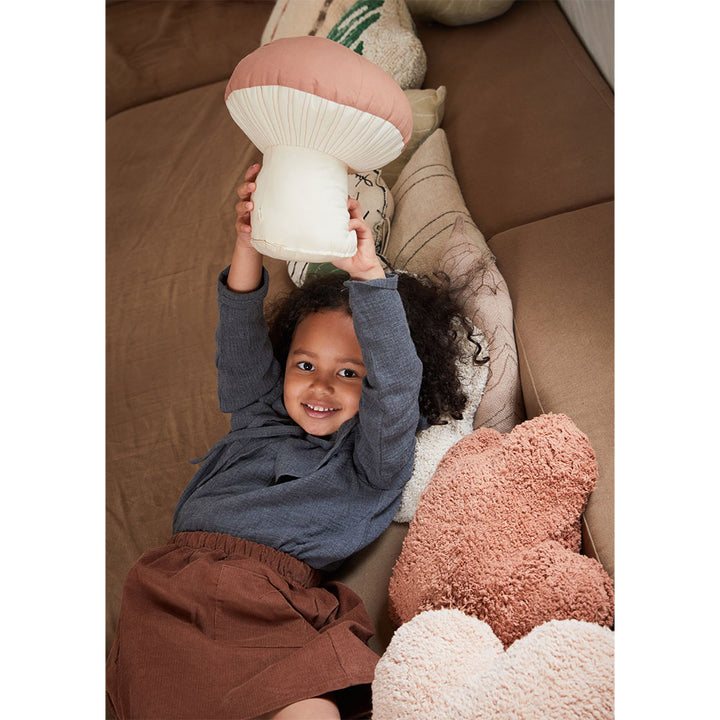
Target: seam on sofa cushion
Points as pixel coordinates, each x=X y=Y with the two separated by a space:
x=526 y=365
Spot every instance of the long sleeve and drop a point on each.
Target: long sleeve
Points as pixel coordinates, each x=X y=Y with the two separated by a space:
x=389 y=411
x=247 y=369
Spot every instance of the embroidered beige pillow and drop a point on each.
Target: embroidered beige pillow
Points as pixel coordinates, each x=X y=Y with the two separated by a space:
x=427 y=201
x=380 y=30
x=484 y=295
x=432 y=230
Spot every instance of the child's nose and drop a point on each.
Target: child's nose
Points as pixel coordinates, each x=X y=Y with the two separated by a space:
x=323 y=382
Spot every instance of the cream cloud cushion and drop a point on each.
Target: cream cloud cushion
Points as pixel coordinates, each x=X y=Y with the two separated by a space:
x=445 y=664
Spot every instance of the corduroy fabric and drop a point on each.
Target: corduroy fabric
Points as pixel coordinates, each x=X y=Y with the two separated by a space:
x=213 y=626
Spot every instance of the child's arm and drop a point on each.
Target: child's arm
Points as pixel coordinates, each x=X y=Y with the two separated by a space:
x=247 y=369
x=246 y=265
x=389 y=410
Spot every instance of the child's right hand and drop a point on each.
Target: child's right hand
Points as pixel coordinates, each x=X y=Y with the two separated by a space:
x=243 y=208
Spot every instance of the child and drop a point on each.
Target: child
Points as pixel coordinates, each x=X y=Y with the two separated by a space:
x=233 y=617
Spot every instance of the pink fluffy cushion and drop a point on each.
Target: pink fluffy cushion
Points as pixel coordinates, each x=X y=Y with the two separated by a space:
x=497 y=533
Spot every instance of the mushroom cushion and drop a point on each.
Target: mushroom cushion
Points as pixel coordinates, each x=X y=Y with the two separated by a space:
x=445 y=664
x=497 y=533
x=316 y=110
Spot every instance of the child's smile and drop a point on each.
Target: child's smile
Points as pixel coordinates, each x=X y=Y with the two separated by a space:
x=324 y=372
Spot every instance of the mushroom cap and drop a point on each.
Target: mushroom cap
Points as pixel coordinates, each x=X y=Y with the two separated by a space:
x=313 y=92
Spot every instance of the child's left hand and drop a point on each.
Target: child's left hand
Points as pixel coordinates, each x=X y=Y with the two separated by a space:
x=364 y=264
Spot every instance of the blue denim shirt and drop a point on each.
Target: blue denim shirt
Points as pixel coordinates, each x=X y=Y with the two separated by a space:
x=320 y=499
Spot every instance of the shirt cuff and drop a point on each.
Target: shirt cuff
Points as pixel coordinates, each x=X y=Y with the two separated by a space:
x=389 y=282
x=230 y=297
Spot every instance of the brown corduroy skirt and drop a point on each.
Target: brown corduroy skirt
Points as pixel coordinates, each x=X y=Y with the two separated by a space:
x=212 y=626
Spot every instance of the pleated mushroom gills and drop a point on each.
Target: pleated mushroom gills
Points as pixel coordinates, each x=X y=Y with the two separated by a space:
x=316 y=110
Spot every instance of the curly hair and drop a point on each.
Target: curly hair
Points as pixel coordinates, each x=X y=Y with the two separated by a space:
x=437 y=324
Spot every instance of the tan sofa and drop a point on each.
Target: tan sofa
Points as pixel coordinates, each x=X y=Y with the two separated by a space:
x=529 y=122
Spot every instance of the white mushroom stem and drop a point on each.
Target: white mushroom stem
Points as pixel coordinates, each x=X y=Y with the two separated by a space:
x=301 y=202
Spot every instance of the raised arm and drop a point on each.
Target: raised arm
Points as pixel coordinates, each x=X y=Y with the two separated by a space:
x=389 y=409
x=247 y=369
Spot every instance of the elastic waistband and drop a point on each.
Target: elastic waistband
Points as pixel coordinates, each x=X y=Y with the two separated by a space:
x=294 y=570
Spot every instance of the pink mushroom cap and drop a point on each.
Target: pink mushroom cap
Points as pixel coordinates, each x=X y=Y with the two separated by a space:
x=329 y=70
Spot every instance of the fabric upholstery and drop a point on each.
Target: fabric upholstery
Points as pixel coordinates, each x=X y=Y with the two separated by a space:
x=156 y=48
x=529 y=119
x=560 y=274
x=529 y=122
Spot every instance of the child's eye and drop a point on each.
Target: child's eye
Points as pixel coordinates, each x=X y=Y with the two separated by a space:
x=305 y=365
x=346 y=372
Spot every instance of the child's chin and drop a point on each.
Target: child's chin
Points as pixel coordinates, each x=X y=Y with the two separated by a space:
x=321 y=429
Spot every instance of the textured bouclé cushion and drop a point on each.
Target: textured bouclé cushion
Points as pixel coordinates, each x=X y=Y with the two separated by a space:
x=445 y=664
x=380 y=30
x=497 y=533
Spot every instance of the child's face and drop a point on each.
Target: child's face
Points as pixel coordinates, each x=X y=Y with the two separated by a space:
x=324 y=372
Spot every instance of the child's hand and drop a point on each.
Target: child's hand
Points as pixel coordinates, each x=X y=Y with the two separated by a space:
x=246 y=266
x=364 y=264
x=243 y=208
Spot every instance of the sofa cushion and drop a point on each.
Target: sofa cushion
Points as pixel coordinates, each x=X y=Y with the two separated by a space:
x=159 y=48
x=560 y=274
x=529 y=119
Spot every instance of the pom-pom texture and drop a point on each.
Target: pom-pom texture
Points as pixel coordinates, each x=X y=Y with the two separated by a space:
x=497 y=533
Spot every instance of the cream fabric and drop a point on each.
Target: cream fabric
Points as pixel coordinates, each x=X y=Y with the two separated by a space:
x=376 y=201
x=484 y=294
x=275 y=115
